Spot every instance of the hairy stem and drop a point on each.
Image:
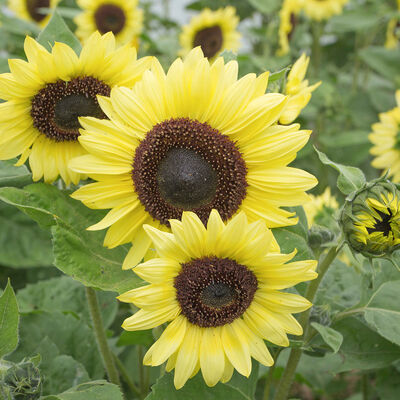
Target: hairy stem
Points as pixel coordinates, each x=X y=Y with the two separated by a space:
x=295 y=354
x=101 y=338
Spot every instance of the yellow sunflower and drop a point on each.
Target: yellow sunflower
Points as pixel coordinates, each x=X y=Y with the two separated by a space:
x=30 y=9
x=287 y=16
x=121 y=17
x=213 y=31
x=323 y=9
x=392 y=34
x=297 y=89
x=193 y=139
x=46 y=95
x=220 y=287
x=319 y=206
x=386 y=140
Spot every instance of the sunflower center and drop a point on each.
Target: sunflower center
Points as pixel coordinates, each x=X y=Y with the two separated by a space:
x=210 y=39
x=56 y=108
x=382 y=225
x=214 y=291
x=33 y=6
x=185 y=165
x=186 y=180
x=109 y=18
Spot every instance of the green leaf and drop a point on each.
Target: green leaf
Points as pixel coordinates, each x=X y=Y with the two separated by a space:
x=65 y=295
x=384 y=61
x=9 y=319
x=350 y=178
x=14 y=176
x=57 y=31
x=78 y=252
x=382 y=312
x=388 y=384
x=275 y=76
x=55 y=333
x=144 y=338
x=363 y=348
x=195 y=388
x=265 y=6
x=95 y=390
x=332 y=338
x=23 y=244
x=351 y=21
x=228 y=56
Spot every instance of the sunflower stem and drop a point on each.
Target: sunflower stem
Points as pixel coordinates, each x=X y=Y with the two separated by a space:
x=316 y=47
x=270 y=377
x=101 y=338
x=126 y=378
x=286 y=381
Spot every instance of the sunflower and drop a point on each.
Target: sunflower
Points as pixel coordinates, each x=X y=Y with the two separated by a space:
x=30 y=9
x=386 y=140
x=213 y=31
x=392 y=34
x=323 y=9
x=193 y=139
x=219 y=285
x=46 y=95
x=298 y=90
x=121 y=17
x=320 y=206
x=287 y=16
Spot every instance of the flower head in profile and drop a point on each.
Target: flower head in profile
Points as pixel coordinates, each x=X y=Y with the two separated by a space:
x=213 y=31
x=385 y=137
x=194 y=139
x=219 y=287
x=287 y=16
x=298 y=90
x=46 y=95
x=371 y=221
x=393 y=34
x=30 y=10
x=121 y=17
x=323 y=9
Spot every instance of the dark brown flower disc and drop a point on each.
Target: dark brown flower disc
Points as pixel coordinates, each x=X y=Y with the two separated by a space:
x=210 y=40
x=109 y=18
x=214 y=291
x=185 y=165
x=382 y=225
x=56 y=108
x=33 y=8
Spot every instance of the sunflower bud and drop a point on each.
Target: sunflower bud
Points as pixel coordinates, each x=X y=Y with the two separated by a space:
x=319 y=235
x=370 y=219
x=21 y=381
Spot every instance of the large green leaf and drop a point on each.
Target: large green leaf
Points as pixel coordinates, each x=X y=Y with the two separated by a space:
x=265 y=6
x=384 y=61
x=9 y=318
x=332 y=338
x=78 y=252
x=10 y=175
x=194 y=389
x=388 y=384
x=65 y=295
x=96 y=390
x=382 y=311
x=355 y=20
x=57 y=31
x=52 y=334
x=23 y=243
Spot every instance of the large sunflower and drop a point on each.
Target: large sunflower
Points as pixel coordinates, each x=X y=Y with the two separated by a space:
x=298 y=90
x=194 y=139
x=30 y=9
x=323 y=9
x=386 y=140
x=46 y=95
x=220 y=288
x=287 y=17
x=121 y=17
x=213 y=31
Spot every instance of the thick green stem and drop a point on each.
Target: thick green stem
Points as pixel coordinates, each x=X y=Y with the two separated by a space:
x=270 y=377
x=101 y=338
x=365 y=386
x=316 y=47
x=295 y=354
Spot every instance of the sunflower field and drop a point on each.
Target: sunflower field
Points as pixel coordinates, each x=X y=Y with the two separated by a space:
x=199 y=199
